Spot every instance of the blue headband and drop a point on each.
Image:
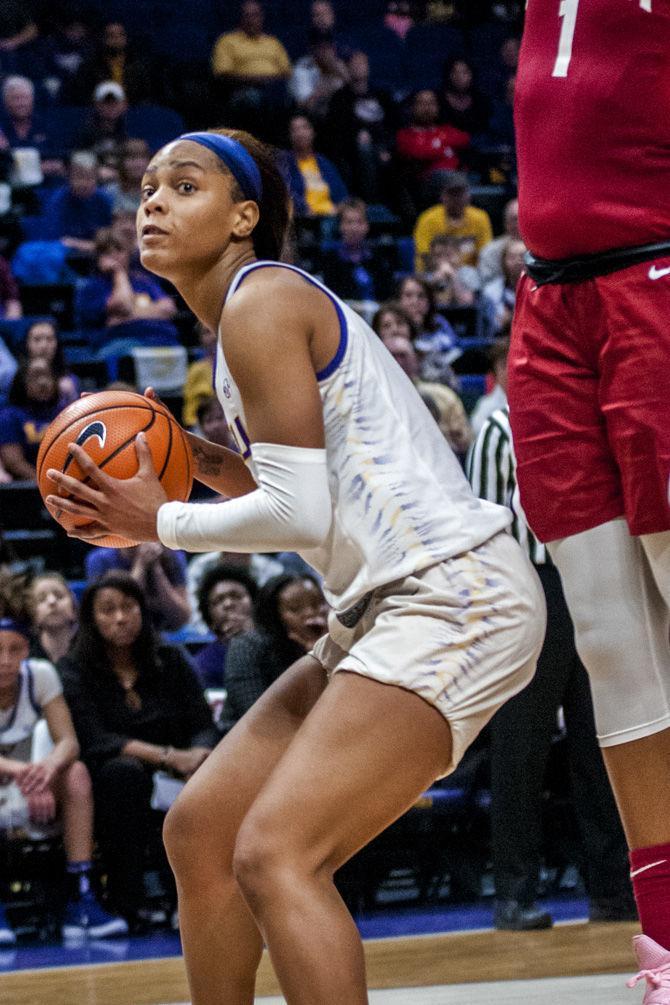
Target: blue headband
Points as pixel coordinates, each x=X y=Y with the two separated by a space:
x=11 y=625
x=237 y=159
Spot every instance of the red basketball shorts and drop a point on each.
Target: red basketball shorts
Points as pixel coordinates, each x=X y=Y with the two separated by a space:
x=589 y=395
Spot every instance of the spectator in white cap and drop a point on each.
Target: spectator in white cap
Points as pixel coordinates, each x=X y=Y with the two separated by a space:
x=109 y=89
x=106 y=126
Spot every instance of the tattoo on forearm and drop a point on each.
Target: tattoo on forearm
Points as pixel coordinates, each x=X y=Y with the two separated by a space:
x=207 y=462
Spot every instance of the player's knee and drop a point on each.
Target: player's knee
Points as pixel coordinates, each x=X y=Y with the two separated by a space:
x=261 y=864
x=253 y=861
x=599 y=649
x=184 y=836
x=77 y=782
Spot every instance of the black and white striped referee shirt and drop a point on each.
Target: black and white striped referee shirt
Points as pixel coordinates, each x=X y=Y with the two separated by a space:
x=491 y=470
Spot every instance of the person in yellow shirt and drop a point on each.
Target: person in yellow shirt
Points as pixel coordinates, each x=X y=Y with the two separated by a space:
x=314 y=182
x=251 y=70
x=248 y=55
x=455 y=217
x=199 y=384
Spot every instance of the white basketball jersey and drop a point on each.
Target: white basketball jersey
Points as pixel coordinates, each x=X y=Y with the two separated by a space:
x=400 y=499
x=38 y=685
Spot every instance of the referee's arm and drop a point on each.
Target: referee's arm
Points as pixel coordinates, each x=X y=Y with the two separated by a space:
x=489 y=464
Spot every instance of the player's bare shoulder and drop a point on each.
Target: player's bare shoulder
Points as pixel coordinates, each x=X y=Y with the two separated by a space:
x=275 y=289
x=275 y=305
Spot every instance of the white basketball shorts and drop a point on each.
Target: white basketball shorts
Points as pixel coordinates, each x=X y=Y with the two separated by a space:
x=464 y=635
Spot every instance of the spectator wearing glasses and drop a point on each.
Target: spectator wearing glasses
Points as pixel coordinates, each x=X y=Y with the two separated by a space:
x=76 y=211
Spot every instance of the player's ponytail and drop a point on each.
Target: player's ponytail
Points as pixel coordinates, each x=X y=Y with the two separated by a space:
x=270 y=236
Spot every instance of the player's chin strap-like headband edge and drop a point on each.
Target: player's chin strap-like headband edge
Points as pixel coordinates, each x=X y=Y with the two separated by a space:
x=237 y=159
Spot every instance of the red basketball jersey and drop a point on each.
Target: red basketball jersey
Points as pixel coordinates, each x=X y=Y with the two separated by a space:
x=593 y=125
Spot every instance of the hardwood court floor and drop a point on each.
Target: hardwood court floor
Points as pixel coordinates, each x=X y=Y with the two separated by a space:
x=607 y=990
x=426 y=962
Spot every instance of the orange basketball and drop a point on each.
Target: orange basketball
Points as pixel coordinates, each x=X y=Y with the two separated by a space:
x=105 y=425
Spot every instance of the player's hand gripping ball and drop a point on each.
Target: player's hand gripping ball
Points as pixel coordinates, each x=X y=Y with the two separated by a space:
x=105 y=425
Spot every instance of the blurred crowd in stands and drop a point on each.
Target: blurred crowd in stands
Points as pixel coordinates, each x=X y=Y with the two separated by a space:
x=393 y=122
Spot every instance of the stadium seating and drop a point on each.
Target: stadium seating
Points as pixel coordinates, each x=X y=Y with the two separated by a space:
x=66 y=122
x=387 y=54
x=406 y=254
x=154 y=123
x=54 y=300
x=28 y=529
x=483 y=51
x=429 y=46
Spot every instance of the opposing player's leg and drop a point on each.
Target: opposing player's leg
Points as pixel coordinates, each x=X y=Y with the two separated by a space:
x=622 y=626
x=616 y=586
x=363 y=756
x=589 y=391
x=222 y=944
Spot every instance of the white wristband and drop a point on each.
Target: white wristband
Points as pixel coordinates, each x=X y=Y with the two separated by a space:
x=290 y=510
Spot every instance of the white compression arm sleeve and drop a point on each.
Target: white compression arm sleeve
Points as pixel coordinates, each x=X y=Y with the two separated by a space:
x=290 y=510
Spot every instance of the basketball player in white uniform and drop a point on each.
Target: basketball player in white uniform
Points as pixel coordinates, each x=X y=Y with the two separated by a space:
x=437 y=616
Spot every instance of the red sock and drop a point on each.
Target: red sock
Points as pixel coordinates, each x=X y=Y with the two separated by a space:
x=650 y=875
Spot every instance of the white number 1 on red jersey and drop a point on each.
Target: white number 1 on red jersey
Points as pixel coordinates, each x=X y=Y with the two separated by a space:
x=568 y=12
